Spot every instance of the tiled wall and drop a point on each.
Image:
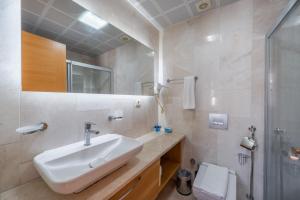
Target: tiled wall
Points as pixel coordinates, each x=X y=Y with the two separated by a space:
x=65 y=113
x=10 y=67
x=225 y=49
x=74 y=56
x=136 y=61
x=123 y=16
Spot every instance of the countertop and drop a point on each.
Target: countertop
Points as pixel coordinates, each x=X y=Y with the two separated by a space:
x=155 y=145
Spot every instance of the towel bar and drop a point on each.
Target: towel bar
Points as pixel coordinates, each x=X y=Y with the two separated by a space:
x=178 y=79
x=32 y=128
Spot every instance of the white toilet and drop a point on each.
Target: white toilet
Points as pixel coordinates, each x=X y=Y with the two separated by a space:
x=217 y=182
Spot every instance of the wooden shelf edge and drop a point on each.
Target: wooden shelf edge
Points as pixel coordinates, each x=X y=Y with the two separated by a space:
x=169 y=169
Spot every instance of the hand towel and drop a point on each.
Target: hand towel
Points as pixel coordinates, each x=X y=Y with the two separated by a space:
x=189 y=93
x=215 y=182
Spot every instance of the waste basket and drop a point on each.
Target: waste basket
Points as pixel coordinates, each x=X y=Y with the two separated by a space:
x=184 y=182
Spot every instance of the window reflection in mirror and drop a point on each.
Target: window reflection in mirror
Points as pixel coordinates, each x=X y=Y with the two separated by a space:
x=66 y=48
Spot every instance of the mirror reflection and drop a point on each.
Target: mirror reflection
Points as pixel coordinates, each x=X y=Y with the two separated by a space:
x=66 y=48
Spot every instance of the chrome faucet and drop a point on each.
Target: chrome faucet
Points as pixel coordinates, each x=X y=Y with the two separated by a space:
x=87 y=133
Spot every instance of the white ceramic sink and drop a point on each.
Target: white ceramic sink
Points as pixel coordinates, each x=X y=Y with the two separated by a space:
x=72 y=168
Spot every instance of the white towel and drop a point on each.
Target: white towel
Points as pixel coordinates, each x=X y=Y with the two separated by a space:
x=189 y=93
x=138 y=88
x=214 y=183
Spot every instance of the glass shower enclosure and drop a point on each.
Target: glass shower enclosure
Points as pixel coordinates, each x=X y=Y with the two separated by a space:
x=282 y=138
x=85 y=78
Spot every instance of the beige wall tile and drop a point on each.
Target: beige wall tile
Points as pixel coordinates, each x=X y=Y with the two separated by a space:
x=10 y=160
x=230 y=70
x=27 y=172
x=64 y=113
x=10 y=67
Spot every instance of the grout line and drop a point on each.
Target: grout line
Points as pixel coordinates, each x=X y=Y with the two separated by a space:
x=41 y=17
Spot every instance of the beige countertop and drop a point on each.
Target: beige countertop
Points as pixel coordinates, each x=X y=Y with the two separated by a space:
x=155 y=145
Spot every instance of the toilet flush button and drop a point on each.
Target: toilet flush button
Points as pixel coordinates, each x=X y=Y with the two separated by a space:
x=218 y=120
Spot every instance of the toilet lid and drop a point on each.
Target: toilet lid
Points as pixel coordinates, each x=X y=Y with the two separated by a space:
x=231 y=190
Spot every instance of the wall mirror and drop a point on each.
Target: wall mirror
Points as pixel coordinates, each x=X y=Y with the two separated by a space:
x=66 y=48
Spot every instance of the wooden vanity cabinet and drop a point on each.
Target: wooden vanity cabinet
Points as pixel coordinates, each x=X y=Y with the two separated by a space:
x=151 y=182
x=143 y=187
x=170 y=163
x=43 y=64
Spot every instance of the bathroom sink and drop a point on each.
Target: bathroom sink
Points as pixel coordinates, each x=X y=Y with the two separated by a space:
x=71 y=168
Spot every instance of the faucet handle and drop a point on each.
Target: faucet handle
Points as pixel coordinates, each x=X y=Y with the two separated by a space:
x=88 y=125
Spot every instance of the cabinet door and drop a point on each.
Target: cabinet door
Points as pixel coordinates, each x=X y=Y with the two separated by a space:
x=43 y=64
x=143 y=187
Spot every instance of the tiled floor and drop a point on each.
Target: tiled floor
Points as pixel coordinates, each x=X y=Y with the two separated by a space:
x=170 y=193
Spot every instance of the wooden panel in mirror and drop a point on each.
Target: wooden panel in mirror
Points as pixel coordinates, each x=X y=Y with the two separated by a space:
x=43 y=64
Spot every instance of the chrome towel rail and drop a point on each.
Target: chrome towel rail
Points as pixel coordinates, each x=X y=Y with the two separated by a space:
x=25 y=130
x=178 y=79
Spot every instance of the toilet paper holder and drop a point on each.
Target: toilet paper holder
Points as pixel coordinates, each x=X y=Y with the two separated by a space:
x=243 y=158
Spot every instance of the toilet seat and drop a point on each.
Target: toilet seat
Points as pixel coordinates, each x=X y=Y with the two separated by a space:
x=231 y=190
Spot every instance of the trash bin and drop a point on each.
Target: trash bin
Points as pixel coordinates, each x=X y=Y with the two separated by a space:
x=184 y=182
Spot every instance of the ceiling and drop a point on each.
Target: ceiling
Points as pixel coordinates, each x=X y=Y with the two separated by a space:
x=58 y=20
x=163 y=13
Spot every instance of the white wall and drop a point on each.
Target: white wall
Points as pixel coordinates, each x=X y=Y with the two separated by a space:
x=74 y=56
x=10 y=83
x=131 y=63
x=230 y=73
x=65 y=113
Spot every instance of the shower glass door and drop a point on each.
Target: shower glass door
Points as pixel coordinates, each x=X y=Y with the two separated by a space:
x=282 y=164
x=85 y=78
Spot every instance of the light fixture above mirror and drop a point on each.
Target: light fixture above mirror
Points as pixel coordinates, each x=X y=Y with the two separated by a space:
x=92 y=20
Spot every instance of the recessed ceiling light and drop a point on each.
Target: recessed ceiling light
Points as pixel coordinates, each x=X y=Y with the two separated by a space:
x=92 y=20
x=203 y=5
x=125 y=38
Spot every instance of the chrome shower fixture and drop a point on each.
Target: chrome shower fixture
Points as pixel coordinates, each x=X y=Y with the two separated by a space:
x=252 y=130
x=249 y=142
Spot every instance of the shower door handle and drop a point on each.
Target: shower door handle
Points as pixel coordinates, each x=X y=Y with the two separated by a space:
x=279 y=131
